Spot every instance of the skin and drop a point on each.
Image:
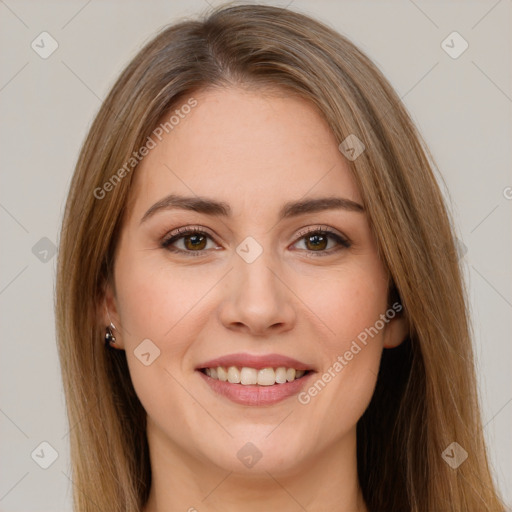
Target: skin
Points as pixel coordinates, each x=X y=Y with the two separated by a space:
x=254 y=151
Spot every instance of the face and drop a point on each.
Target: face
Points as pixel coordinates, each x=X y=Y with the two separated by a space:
x=259 y=284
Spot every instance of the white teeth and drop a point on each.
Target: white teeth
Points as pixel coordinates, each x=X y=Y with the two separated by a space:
x=290 y=374
x=233 y=375
x=222 y=374
x=281 y=375
x=266 y=377
x=251 y=376
x=248 y=376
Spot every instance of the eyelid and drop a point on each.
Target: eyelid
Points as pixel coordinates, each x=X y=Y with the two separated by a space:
x=314 y=229
x=187 y=230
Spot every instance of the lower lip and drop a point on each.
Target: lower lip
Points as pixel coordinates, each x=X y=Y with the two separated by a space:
x=256 y=395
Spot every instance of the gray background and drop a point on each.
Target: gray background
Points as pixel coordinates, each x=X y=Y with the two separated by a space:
x=462 y=107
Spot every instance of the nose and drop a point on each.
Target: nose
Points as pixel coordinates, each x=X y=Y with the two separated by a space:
x=258 y=299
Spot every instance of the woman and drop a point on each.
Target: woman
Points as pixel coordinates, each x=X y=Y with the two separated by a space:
x=258 y=299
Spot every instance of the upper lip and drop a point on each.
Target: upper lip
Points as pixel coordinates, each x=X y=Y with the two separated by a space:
x=256 y=361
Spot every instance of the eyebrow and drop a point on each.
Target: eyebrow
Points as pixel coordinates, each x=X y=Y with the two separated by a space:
x=213 y=207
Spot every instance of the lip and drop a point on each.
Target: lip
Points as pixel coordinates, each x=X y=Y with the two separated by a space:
x=257 y=395
x=256 y=361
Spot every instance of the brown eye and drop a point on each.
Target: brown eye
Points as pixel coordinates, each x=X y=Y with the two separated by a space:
x=193 y=242
x=316 y=242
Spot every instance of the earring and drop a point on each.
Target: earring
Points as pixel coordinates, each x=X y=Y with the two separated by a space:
x=110 y=339
x=109 y=336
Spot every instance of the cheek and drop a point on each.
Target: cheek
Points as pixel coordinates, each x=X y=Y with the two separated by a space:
x=167 y=304
x=346 y=303
x=351 y=306
x=158 y=301
x=158 y=305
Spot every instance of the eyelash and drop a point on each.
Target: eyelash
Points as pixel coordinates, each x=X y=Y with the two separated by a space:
x=180 y=233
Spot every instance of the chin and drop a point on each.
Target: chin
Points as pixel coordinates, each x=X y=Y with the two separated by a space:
x=251 y=455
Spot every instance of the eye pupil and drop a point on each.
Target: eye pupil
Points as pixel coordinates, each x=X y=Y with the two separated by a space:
x=196 y=244
x=315 y=239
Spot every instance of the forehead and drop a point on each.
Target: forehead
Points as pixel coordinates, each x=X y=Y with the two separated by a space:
x=244 y=147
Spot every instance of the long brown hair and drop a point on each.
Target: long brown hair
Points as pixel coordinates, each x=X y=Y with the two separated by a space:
x=426 y=396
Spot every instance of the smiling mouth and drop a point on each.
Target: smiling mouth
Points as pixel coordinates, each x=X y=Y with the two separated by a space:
x=246 y=376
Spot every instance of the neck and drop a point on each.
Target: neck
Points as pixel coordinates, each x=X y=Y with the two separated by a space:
x=182 y=482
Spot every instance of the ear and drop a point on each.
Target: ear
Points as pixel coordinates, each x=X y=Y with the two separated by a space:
x=396 y=331
x=108 y=313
